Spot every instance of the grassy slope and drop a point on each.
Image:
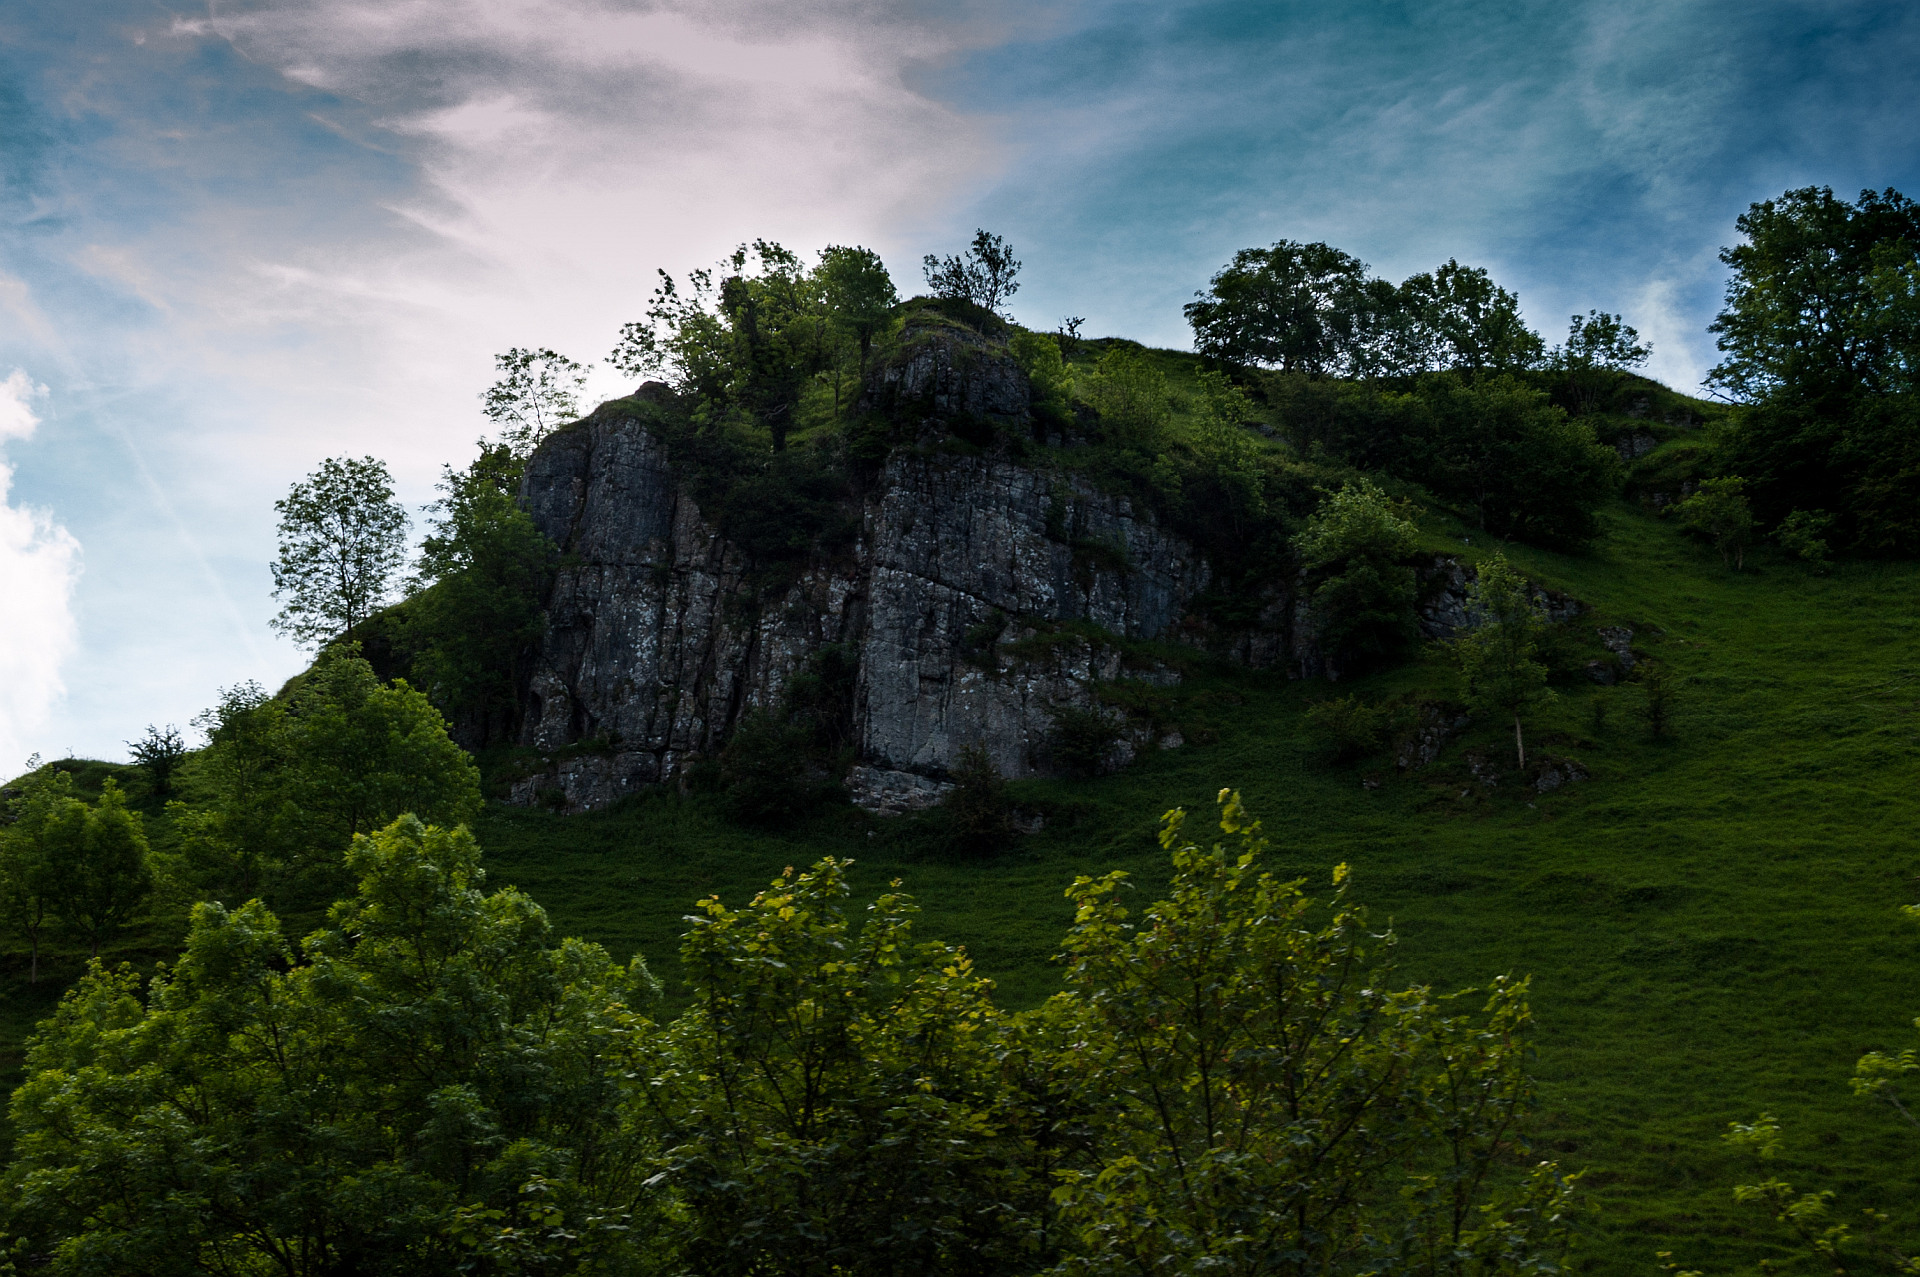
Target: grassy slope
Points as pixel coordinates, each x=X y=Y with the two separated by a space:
x=1710 y=922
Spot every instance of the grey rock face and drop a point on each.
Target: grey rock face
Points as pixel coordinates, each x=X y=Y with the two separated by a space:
x=942 y=371
x=976 y=599
x=892 y=793
x=1445 y=610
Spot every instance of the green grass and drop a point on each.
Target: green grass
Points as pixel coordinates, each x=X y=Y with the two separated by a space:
x=1710 y=922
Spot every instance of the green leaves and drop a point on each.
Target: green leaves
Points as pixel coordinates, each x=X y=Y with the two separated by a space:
x=475 y=613
x=1357 y=543
x=432 y=1084
x=284 y=785
x=1497 y=655
x=342 y=539
x=84 y=867
x=1718 y=512
x=434 y=1055
x=829 y=1102
x=538 y=391
x=1274 y=1105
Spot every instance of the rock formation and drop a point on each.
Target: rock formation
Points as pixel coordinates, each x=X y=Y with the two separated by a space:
x=980 y=599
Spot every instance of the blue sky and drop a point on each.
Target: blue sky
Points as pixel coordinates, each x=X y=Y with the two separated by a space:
x=237 y=239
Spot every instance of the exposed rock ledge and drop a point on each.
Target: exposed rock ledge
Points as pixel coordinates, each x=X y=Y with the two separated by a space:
x=658 y=643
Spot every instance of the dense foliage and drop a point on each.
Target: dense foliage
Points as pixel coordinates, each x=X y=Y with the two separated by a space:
x=67 y=865
x=475 y=615
x=1819 y=338
x=432 y=1083
x=285 y=783
x=343 y=538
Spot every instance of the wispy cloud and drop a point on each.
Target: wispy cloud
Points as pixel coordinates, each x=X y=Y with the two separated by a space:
x=39 y=564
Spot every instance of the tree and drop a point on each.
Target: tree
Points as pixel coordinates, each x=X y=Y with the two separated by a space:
x=828 y=1101
x=1471 y=324
x=1497 y=655
x=1294 y=307
x=859 y=294
x=342 y=539
x=285 y=784
x=159 y=753
x=748 y=335
x=1271 y=1103
x=984 y=275
x=1807 y=314
x=359 y=1107
x=1130 y=393
x=27 y=868
x=1820 y=342
x=475 y=613
x=978 y=811
x=1718 y=512
x=1357 y=544
x=1599 y=349
x=1050 y=384
x=1529 y=472
x=100 y=874
x=538 y=391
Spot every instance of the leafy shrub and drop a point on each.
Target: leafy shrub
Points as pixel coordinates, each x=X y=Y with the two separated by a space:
x=1358 y=544
x=1348 y=727
x=769 y=770
x=1082 y=741
x=979 y=814
x=1802 y=534
x=1130 y=394
x=1718 y=512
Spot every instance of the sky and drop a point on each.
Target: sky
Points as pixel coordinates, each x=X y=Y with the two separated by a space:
x=238 y=238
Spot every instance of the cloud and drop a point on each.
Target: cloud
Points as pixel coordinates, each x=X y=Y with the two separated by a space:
x=39 y=565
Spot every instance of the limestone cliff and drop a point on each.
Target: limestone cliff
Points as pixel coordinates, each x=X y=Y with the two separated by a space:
x=659 y=638
x=980 y=597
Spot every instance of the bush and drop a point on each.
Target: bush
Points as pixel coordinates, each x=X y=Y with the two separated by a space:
x=1130 y=394
x=1083 y=740
x=979 y=813
x=1802 y=534
x=769 y=771
x=1718 y=512
x=1364 y=602
x=1348 y=727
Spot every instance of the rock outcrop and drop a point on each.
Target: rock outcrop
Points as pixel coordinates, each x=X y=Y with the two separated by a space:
x=980 y=599
x=977 y=600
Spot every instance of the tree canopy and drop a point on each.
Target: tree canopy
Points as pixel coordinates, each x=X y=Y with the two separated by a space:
x=343 y=538
x=434 y=1083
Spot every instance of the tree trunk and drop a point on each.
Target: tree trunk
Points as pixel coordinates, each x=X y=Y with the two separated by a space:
x=1519 y=744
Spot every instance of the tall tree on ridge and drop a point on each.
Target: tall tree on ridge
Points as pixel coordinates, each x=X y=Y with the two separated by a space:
x=342 y=539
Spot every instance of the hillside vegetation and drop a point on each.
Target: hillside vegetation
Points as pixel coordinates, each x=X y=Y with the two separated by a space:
x=1693 y=874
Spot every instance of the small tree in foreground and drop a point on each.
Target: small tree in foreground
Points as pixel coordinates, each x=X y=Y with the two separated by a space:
x=1497 y=655
x=343 y=538
x=1271 y=1103
x=1831 y=1241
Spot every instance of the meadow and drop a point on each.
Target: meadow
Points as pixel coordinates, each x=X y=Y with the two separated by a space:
x=1710 y=921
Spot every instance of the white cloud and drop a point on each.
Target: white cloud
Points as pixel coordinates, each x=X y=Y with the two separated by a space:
x=39 y=564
